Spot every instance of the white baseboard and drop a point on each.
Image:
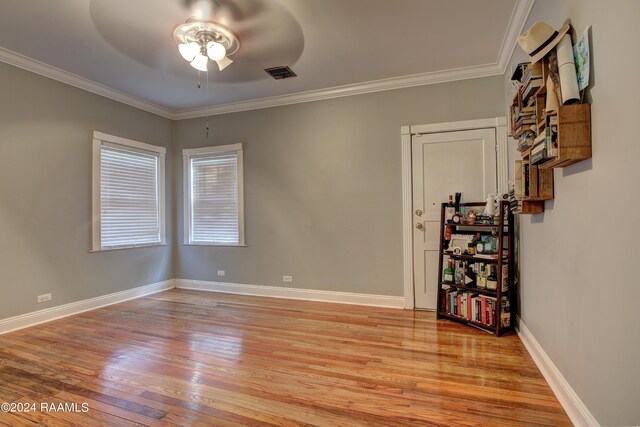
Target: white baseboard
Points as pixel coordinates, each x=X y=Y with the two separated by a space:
x=41 y=316
x=293 y=293
x=568 y=398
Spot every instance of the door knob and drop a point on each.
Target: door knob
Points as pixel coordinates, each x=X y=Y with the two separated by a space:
x=419 y=226
x=419 y=212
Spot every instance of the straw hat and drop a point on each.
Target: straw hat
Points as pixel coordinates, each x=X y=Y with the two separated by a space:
x=540 y=39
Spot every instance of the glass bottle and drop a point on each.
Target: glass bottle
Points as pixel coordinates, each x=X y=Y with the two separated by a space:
x=448 y=272
x=492 y=279
x=469 y=277
x=460 y=270
x=481 y=281
x=479 y=245
x=494 y=241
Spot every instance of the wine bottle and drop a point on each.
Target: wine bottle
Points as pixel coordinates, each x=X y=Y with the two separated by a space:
x=492 y=279
x=448 y=272
x=450 y=210
x=469 y=277
x=459 y=273
x=481 y=280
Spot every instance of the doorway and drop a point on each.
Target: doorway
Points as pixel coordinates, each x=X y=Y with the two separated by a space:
x=442 y=164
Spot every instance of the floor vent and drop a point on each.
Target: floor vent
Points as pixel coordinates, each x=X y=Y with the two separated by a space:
x=279 y=73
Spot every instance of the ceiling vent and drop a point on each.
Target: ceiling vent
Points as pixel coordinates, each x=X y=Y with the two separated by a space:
x=279 y=73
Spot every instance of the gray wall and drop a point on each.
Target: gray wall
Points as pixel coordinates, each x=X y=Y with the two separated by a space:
x=579 y=281
x=323 y=186
x=45 y=194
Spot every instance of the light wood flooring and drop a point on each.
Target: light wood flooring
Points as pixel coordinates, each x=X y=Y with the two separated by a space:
x=208 y=359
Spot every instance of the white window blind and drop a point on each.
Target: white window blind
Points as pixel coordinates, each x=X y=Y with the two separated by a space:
x=214 y=203
x=130 y=196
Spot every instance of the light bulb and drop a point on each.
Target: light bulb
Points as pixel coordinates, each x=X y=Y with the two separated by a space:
x=200 y=63
x=224 y=63
x=216 y=51
x=189 y=50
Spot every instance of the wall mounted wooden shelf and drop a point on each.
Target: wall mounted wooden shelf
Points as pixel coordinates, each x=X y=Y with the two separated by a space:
x=545 y=141
x=574 y=136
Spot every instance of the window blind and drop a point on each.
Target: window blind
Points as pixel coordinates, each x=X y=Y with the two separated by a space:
x=129 y=198
x=214 y=199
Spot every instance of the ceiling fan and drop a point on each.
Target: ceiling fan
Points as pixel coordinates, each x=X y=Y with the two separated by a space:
x=200 y=39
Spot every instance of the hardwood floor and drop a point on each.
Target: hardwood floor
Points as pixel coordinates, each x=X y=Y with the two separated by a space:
x=206 y=359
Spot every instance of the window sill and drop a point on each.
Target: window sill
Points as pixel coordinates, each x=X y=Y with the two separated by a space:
x=117 y=248
x=219 y=245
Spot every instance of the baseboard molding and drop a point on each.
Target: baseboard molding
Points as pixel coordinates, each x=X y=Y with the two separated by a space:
x=293 y=293
x=568 y=398
x=41 y=316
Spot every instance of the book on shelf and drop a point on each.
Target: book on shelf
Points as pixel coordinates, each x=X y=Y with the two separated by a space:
x=532 y=71
x=486 y=256
x=529 y=88
x=467 y=305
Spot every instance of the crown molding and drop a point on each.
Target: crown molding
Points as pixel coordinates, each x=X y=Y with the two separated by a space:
x=509 y=42
x=516 y=24
x=26 y=63
x=347 y=90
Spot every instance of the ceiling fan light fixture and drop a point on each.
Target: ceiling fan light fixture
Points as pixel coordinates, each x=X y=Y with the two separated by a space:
x=189 y=51
x=200 y=62
x=216 y=51
x=224 y=63
x=198 y=40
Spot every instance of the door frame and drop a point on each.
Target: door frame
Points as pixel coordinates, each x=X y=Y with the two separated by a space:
x=407 y=132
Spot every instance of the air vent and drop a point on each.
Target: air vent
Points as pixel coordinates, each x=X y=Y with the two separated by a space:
x=279 y=73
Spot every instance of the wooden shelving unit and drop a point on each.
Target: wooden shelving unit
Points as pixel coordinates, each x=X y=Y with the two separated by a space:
x=504 y=258
x=560 y=139
x=574 y=136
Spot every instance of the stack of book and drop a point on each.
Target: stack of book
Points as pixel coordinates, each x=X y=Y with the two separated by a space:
x=523 y=110
x=531 y=80
x=476 y=308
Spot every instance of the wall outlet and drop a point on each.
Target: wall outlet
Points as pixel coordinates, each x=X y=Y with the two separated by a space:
x=287 y=279
x=221 y=273
x=44 y=297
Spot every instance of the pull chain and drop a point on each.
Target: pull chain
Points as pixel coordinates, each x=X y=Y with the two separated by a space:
x=207 y=122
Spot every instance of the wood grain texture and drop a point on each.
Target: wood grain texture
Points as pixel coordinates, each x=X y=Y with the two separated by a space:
x=206 y=359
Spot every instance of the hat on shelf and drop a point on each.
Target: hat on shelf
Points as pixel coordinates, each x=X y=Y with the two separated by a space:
x=540 y=39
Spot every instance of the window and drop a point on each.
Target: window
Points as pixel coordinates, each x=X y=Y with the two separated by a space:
x=213 y=196
x=128 y=193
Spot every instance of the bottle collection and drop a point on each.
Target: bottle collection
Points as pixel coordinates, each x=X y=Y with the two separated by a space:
x=456 y=214
x=475 y=275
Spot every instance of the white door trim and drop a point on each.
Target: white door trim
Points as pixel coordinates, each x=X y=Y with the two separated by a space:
x=497 y=123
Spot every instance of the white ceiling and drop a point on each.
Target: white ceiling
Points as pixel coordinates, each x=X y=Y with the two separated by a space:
x=124 y=48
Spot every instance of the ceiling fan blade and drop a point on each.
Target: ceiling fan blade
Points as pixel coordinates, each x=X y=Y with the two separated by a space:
x=224 y=63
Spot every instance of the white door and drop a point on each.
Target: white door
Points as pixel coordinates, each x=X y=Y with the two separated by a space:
x=443 y=164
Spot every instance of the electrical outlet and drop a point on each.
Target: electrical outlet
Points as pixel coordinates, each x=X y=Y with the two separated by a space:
x=287 y=279
x=221 y=273
x=44 y=297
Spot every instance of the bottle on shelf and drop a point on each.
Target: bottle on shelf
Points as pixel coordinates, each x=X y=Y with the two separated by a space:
x=481 y=280
x=450 y=210
x=479 y=244
x=494 y=240
x=472 y=250
x=492 y=279
x=448 y=272
x=447 y=236
x=460 y=272
x=469 y=277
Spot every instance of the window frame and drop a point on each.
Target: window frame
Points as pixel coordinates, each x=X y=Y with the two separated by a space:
x=187 y=155
x=102 y=139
